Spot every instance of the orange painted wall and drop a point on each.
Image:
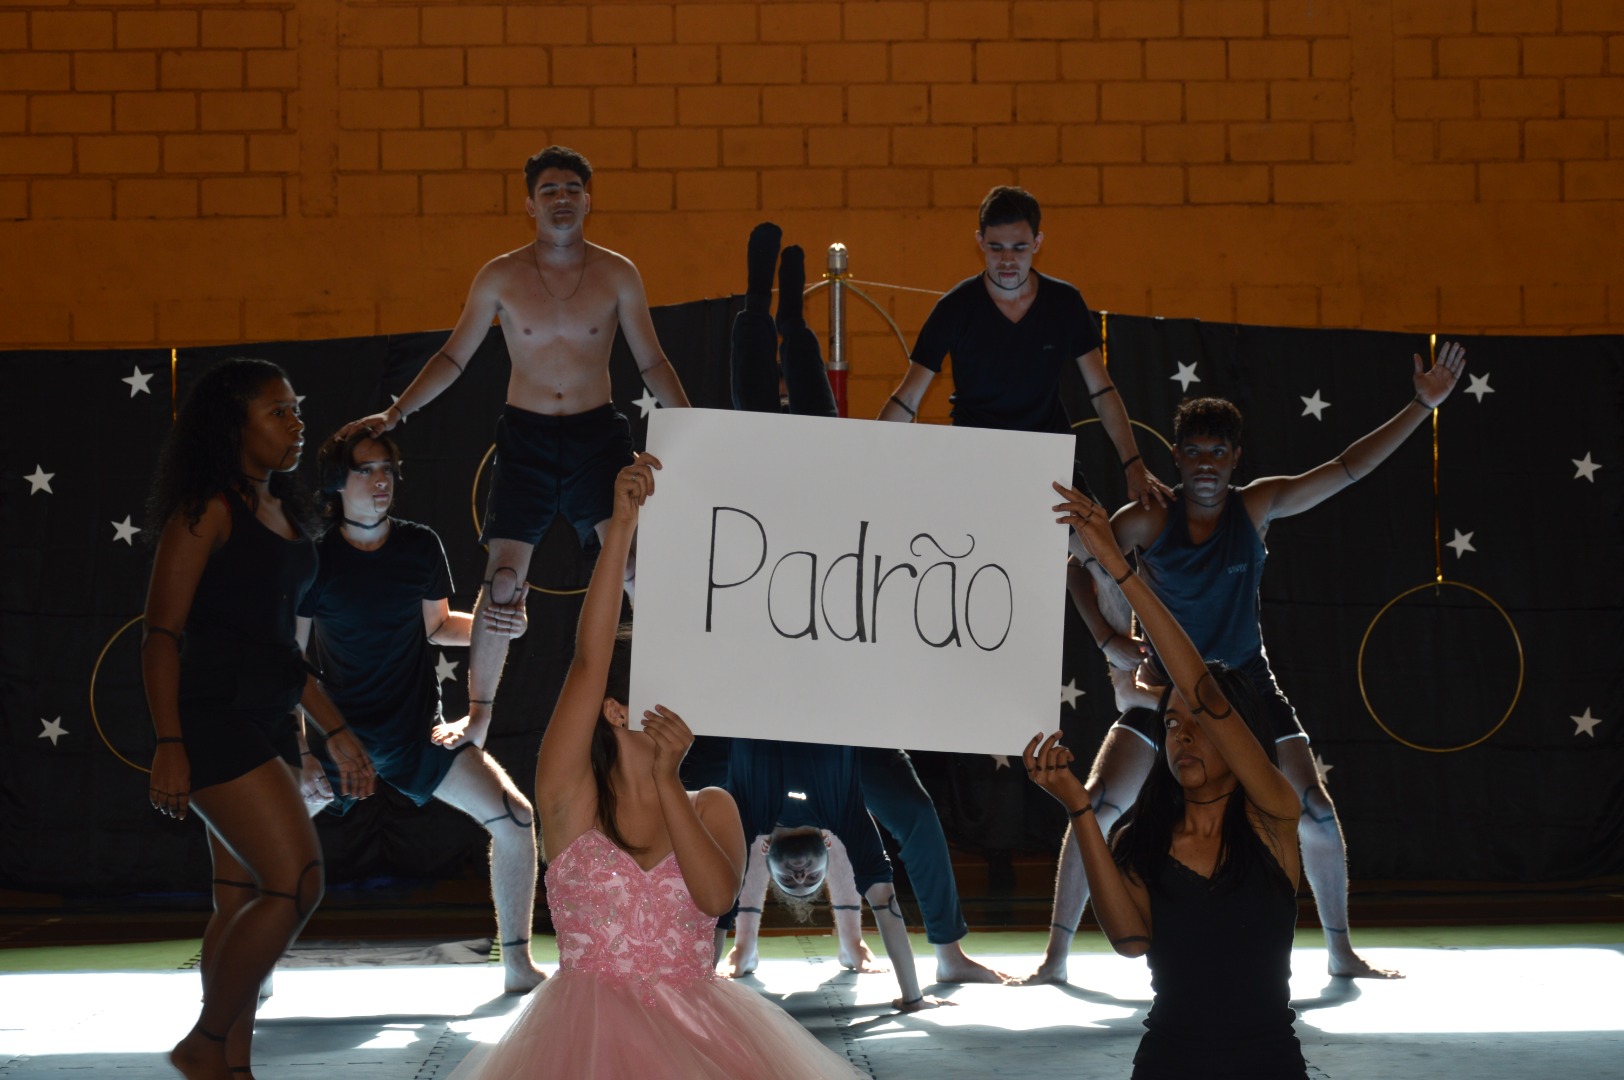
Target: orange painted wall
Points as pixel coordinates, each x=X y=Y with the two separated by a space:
x=191 y=171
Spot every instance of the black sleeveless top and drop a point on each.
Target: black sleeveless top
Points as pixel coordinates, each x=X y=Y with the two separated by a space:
x=239 y=642
x=1220 y=964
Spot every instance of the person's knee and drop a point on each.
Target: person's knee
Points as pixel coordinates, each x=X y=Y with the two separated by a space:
x=515 y=820
x=303 y=888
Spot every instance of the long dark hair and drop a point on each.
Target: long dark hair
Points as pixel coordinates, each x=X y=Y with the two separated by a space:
x=1141 y=839
x=605 y=750
x=202 y=455
x=334 y=460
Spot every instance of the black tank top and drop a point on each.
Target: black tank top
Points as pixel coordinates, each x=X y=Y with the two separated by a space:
x=1220 y=967
x=239 y=638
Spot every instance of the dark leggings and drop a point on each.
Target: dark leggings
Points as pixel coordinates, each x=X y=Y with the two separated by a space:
x=899 y=802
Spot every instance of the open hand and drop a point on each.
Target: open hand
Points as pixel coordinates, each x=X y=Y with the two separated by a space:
x=1434 y=384
x=1092 y=525
x=1145 y=486
x=452 y=732
x=508 y=620
x=355 y=775
x=373 y=425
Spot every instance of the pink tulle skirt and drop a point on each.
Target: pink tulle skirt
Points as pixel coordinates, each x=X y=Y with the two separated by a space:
x=581 y=1026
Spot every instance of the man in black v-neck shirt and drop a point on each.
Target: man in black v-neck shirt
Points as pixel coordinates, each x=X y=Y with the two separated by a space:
x=1010 y=330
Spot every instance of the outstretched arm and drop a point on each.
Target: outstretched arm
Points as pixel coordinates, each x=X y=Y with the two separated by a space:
x=1143 y=485
x=638 y=326
x=445 y=366
x=563 y=765
x=846 y=906
x=1120 y=904
x=903 y=404
x=1281 y=496
x=1266 y=786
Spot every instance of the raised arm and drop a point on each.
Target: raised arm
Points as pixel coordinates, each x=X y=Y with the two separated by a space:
x=638 y=326
x=1120 y=904
x=563 y=765
x=183 y=552
x=903 y=404
x=1265 y=785
x=1134 y=527
x=705 y=830
x=1143 y=485
x=1281 y=496
x=445 y=366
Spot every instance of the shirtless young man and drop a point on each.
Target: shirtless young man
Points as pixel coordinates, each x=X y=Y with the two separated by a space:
x=559 y=443
x=1009 y=330
x=1203 y=557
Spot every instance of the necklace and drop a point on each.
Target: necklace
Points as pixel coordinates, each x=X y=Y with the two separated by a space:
x=358 y=525
x=1209 y=802
x=535 y=257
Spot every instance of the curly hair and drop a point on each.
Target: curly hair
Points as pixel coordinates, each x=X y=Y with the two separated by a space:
x=1210 y=416
x=334 y=460
x=1143 y=835
x=202 y=454
x=555 y=157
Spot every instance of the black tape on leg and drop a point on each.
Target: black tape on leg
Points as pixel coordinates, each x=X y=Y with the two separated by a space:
x=509 y=815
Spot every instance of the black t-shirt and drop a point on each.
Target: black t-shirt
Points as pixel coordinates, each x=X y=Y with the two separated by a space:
x=1007 y=374
x=368 y=637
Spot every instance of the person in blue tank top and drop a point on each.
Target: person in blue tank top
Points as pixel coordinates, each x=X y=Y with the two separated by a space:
x=1203 y=556
x=1200 y=875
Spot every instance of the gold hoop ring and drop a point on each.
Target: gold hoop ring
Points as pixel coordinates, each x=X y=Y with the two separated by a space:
x=473 y=506
x=1515 y=697
x=94 y=718
x=1136 y=423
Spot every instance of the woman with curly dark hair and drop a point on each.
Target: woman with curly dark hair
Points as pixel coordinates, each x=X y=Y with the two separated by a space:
x=1200 y=875
x=223 y=677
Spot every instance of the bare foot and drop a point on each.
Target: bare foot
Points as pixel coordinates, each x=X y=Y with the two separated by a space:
x=740 y=964
x=864 y=962
x=1353 y=966
x=199 y=1057
x=1051 y=971
x=523 y=979
x=952 y=966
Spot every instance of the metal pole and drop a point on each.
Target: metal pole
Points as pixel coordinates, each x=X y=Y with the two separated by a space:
x=837 y=272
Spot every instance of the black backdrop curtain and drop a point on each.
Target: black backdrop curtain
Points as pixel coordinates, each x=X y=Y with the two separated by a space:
x=1471 y=729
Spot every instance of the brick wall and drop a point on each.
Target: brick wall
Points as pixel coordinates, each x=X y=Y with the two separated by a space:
x=183 y=172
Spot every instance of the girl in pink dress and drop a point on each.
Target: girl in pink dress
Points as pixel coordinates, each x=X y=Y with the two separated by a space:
x=640 y=869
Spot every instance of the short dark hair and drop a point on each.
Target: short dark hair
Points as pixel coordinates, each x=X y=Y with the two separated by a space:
x=1209 y=416
x=556 y=157
x=1007 y=205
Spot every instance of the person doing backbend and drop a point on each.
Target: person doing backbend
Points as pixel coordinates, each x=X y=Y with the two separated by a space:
x=380 y=599
x=1203 y=557
x=559 y=441
x=223 y=678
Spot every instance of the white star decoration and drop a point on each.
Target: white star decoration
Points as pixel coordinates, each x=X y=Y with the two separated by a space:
x=648 y=403
x=39 y=481
x=999 y=761
x=1587 y=468
x=125 y=531
x=1185 y=377
x=1586 y=724
x=1323 y=769
x=1462 y=543
x=1480 y=386
x=1070 y=693
x=445 y=669
x=138 y=380
x=1315 y=406
x=53 y=730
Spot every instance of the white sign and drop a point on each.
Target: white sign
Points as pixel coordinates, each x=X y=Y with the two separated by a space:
x=850 y=581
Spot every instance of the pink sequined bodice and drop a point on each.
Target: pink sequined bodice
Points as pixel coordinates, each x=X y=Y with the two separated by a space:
x=623 y=923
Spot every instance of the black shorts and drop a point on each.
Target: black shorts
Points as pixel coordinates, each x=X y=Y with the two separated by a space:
x=1282 y=718
x=415 y=769
x=551 y=465
x=236 y=706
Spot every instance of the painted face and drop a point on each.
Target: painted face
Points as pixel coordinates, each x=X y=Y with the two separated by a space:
x=369 y=489
x=1008 y=250
x=1206 y=463
x=800 y=865
x=1191 y=756
x=559 y=199
x=272 y=433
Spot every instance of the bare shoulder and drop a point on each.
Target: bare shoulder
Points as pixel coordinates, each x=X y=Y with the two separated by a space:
x=610 y=263
x=1137 y=526
x=715 y=800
